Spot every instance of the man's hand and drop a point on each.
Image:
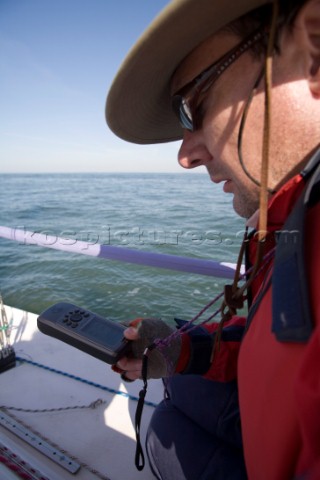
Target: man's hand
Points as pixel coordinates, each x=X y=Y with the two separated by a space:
x=161 y=361
x=130 y=367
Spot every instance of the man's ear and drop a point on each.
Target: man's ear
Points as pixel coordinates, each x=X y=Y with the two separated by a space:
x=307 y=32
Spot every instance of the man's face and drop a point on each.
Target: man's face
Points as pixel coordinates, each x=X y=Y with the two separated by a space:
x=214 y=144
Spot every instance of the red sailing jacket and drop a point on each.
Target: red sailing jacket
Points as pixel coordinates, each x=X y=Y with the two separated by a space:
x=279 y=383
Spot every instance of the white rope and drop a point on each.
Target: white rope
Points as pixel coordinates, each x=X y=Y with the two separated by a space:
x=122 y=254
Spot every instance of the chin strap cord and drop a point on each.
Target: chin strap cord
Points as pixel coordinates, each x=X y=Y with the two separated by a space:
x=234 y=296
x=242 y=126
x=263 y=203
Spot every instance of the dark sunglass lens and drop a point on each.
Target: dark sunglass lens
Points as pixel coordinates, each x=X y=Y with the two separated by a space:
x=185 y=117
x=182 y=111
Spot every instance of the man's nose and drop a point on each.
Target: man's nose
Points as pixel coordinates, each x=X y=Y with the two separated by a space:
x=193 y=153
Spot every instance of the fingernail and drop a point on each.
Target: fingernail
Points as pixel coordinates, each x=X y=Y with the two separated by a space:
x=130 y=331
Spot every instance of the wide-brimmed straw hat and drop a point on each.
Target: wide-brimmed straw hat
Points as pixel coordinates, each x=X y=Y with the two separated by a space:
x=138 y=106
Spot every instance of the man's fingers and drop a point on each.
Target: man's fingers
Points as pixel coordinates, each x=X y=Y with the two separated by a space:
x=134 y=375
x=131 y=333
x=130 y=365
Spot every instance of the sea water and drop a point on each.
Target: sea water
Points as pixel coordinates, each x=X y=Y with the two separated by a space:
x=180 y=214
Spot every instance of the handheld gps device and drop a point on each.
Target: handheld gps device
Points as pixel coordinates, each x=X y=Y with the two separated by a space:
x=85 y=330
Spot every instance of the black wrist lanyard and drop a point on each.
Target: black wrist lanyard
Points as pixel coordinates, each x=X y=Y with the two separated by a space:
x=139 y=456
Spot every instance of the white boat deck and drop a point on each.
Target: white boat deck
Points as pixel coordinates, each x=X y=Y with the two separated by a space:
x=102 y=438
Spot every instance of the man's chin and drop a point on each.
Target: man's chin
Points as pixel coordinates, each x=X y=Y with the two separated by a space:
x=244 y=208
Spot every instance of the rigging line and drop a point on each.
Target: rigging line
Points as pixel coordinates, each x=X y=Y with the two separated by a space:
x=164 y=342
x=83 y=380
x=92 y=405
x=20 y=467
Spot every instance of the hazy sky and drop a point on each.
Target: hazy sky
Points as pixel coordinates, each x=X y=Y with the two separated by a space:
x=57 y=61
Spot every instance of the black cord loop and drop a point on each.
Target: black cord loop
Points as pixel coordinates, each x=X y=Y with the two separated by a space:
x=139 y=456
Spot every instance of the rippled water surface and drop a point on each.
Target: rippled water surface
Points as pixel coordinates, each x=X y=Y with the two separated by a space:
x=180 y=214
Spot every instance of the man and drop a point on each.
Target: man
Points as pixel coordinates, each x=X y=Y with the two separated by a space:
x=201 y=72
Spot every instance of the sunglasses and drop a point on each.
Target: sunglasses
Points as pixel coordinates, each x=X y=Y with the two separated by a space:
x=187 y=100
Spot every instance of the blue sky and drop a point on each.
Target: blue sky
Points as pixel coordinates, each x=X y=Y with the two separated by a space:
x=57 y=61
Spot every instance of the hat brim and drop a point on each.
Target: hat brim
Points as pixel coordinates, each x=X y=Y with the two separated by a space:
x=138 y=107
